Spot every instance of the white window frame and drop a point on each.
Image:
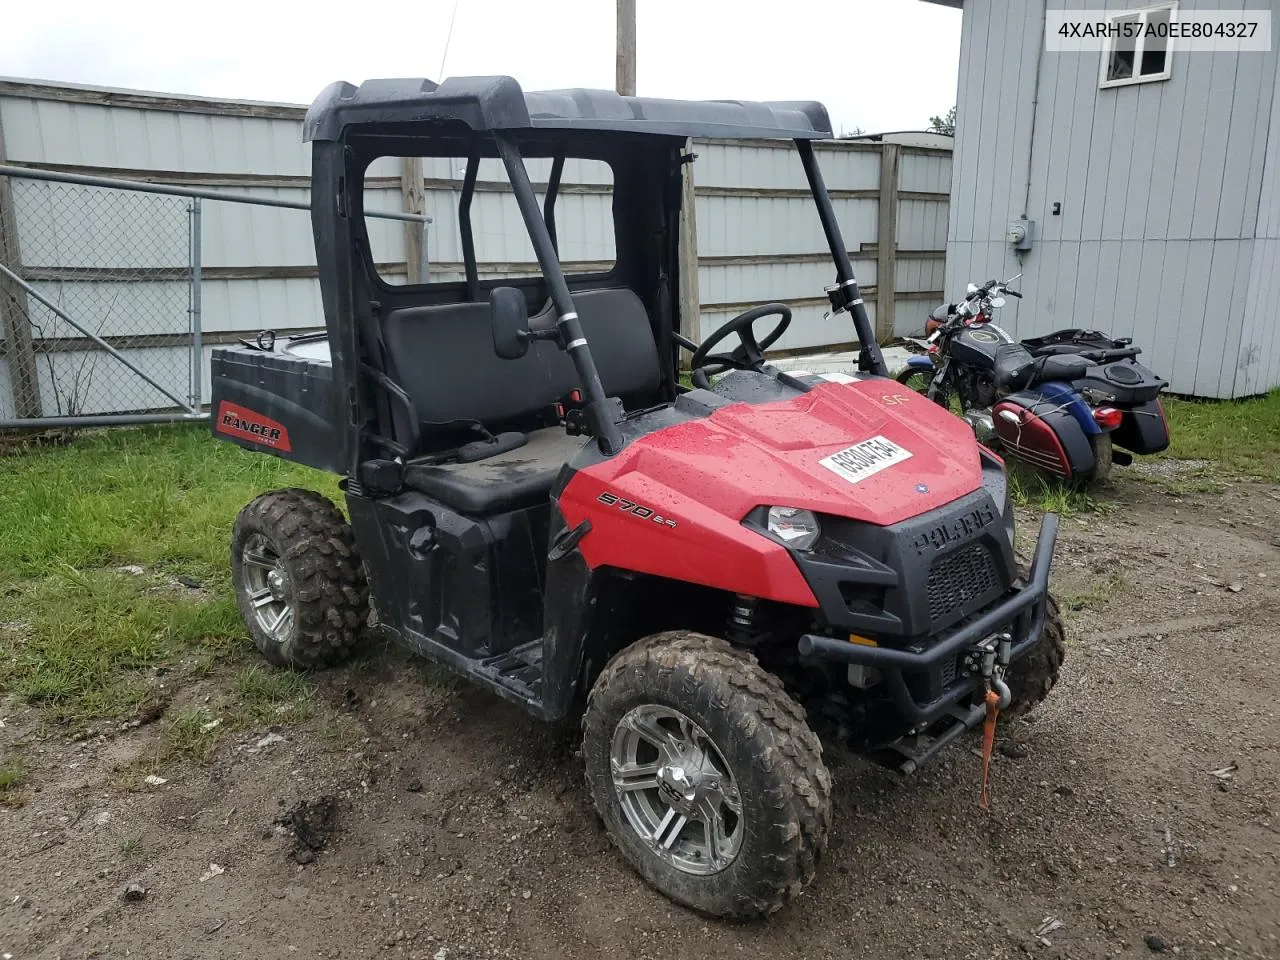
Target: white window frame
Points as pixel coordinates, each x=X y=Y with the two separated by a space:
x=1144 y=13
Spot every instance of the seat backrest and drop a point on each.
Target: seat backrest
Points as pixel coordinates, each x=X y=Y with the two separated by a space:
x=617 y=327
x=442 y=356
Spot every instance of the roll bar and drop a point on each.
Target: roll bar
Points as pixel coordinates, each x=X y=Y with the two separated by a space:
x=599 y=412
x=844 y=294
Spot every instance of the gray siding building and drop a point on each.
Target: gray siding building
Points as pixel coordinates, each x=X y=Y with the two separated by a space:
x=1153 y=180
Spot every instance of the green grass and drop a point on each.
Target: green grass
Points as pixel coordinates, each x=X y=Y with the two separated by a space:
x=1232 y=437
x=162 y=497
x=270 y=696
x=1034 y=490
x=1100 y=589
x=84 y=639
x=78 y=636
x=187 y=735
x=1241 y=435
x=13 y=774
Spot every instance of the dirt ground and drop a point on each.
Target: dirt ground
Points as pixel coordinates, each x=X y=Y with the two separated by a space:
x=462 y=829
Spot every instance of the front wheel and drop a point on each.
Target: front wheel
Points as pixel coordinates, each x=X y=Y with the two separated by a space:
x=706 y=775
x=915 y=378
x=1035 y=675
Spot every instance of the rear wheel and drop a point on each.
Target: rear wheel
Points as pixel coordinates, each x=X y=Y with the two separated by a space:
x=1102 y=454
x=706 y=774
x=298 y=579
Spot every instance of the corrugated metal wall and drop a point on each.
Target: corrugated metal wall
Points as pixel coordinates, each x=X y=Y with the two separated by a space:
x=1159 y=186
x=759 y=238
x=1258 y=368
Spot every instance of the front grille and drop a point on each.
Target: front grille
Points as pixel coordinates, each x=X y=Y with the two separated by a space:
x=949 y=669
x=958 y=579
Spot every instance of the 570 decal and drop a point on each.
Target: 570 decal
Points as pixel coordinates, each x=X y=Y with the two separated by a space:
x=635 y=509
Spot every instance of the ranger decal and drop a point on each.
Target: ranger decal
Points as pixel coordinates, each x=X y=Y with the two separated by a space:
x=237 y=421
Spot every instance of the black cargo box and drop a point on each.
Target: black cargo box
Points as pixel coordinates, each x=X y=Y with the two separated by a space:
x=278 y=400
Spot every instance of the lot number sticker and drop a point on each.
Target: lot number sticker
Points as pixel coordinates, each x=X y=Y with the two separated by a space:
x=863 y=459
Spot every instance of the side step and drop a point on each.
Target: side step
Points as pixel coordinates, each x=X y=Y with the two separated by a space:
x=515 y=675
x=520 y=669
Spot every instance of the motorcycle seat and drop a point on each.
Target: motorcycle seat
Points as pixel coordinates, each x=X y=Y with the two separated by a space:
x=1017 y=369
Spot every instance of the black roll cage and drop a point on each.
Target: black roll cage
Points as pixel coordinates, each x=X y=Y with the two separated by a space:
x=354 y=295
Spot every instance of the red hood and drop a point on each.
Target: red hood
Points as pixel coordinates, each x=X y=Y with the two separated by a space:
x=745 y=455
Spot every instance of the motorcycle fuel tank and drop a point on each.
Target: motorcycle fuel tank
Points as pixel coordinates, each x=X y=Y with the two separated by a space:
x=976 y=346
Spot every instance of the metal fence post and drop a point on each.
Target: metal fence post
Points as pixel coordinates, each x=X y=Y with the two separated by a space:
x=197 y=346
x=424 y=266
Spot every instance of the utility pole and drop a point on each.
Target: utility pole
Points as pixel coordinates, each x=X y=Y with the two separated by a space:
x=627 y=47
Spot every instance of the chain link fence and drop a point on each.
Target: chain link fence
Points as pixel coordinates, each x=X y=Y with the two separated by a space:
x=99 y=317
x=100 y=297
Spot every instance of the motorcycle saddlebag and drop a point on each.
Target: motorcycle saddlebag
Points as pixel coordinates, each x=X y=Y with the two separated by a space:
x=1144 y=429
x=1046 y=435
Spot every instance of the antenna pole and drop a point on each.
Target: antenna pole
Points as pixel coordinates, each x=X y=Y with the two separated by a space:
x=447 y=40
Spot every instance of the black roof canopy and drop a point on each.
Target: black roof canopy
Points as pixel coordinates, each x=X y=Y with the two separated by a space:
x=498 y=103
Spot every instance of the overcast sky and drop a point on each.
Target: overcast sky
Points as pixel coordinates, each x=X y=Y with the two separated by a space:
x=877 y=64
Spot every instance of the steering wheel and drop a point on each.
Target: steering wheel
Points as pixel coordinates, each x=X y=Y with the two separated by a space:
x=747 y=355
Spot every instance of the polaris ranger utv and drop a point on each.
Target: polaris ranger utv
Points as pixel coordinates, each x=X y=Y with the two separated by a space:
x=538 y=503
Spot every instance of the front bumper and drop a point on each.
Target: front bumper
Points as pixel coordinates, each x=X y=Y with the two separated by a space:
x=1021 y=612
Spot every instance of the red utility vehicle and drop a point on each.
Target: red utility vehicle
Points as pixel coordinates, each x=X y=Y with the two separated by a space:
x=701 y=574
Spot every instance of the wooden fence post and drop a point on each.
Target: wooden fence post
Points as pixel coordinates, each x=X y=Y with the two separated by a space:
x=887 y=241
x=15 y=321
x=413 y=195
x=690 y=300
x=626 y=48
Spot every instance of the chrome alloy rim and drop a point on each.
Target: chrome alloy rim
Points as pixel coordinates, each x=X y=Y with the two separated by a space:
x=266 y=583
x=676 y=790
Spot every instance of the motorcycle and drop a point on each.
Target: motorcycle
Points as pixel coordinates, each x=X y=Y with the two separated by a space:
x=1061 y=403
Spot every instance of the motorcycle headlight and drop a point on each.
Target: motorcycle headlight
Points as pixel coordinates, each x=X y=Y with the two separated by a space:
x=796 y=528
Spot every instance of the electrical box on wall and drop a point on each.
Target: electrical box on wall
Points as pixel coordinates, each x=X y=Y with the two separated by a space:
x=1022 y=233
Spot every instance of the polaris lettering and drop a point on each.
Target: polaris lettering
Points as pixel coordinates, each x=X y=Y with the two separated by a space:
x=860 y=461
x=954 y=531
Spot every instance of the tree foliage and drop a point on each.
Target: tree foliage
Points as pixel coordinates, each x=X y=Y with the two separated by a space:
x=946 y=124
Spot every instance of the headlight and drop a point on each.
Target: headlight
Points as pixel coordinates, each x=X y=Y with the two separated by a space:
x=796 y=528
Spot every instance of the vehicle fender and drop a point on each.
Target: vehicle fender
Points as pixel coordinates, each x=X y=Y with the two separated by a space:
x=1047 y=435
x=1071 y=401
x=570 y=598
x=919 y=363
